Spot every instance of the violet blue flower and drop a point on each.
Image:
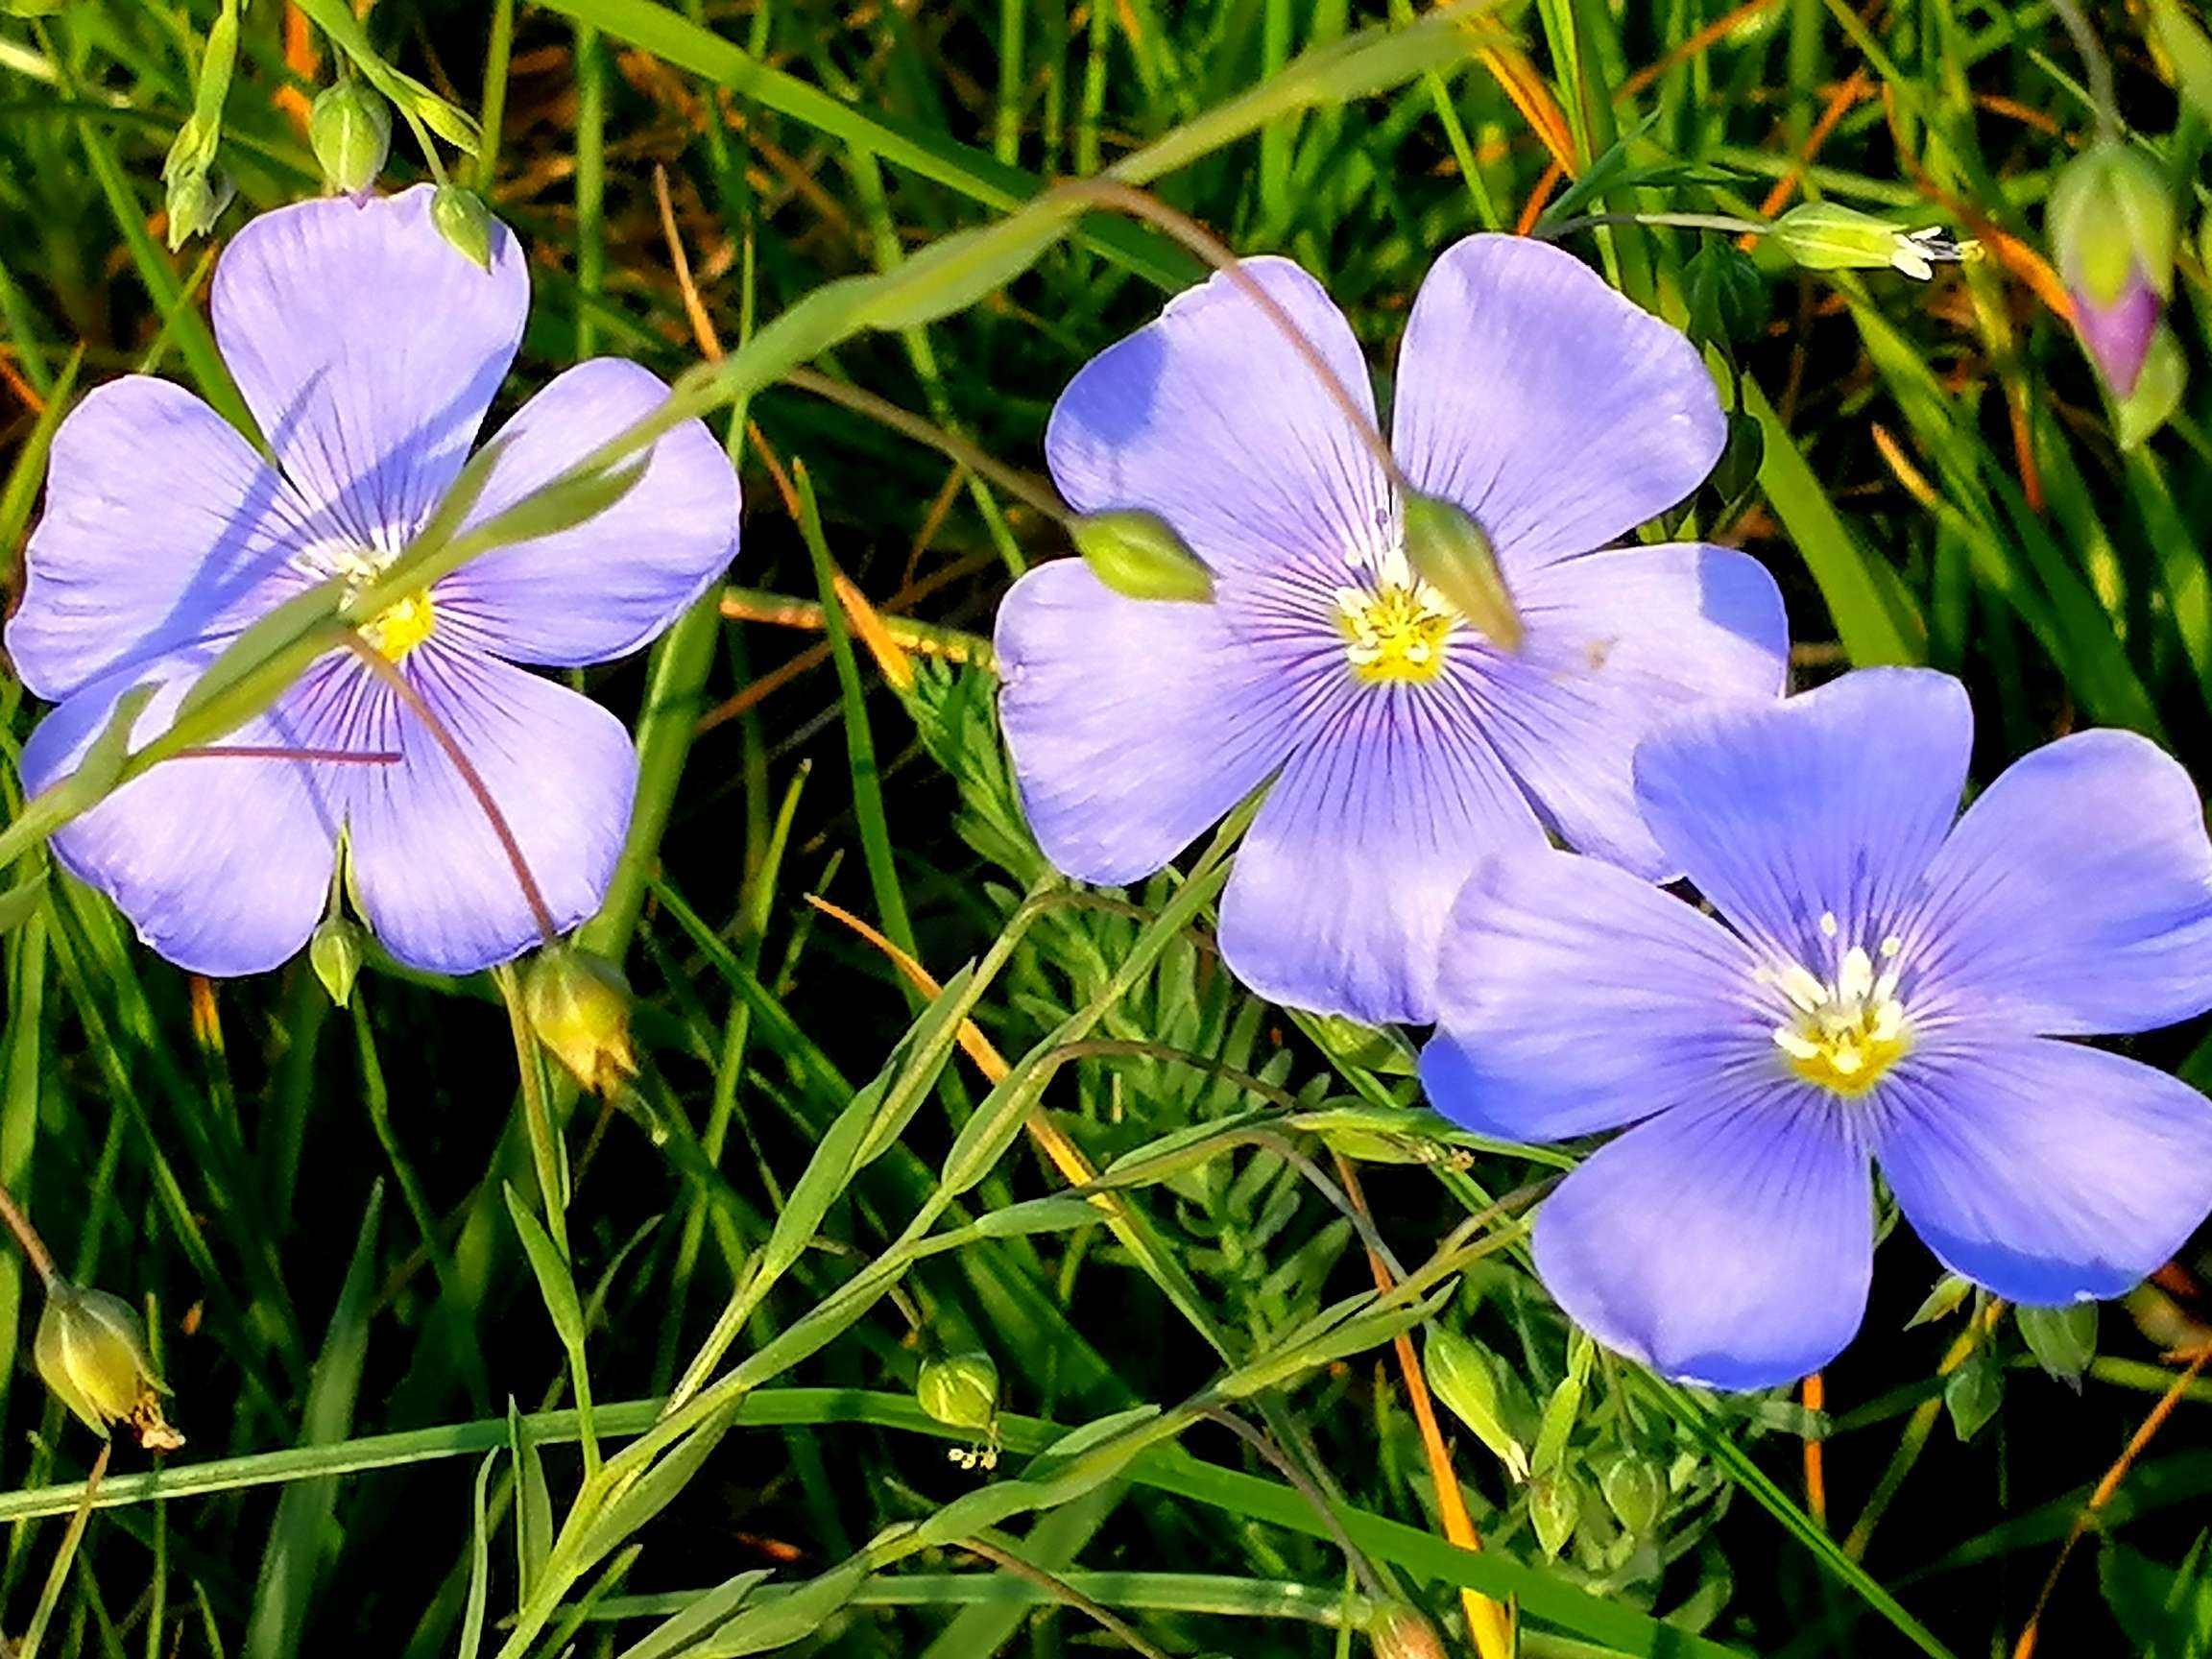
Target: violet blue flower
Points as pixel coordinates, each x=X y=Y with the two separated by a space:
x=1881 y=985
x=1531 y=396
x=369 y=351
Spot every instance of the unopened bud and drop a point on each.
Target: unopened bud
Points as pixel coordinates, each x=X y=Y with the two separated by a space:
x=1829 y=236
x=1398 y=1632
x=579 y=1006
x=1449 y=551
x=91 y=1351
x=2111 y=227
x=463 y=221
x=1460 y=1375
x=1139 y=556
x=335 y=953
x=1635 y=1491
x=196 y=198
x=351 y=131
x=1554 y=1505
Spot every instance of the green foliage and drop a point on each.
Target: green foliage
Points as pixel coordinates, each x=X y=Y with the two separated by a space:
x=1083 y=1151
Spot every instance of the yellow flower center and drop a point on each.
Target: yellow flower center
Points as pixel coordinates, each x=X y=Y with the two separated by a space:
x=1395 y=631
x=396 y=629
x=1844 y=1033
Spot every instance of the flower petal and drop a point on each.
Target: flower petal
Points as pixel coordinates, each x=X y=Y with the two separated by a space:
x=1213 y=421
x=1554 y=411
x=1729 y=1244
x=2045 y=1171
x=1573 y=996
x=222 y=865
x=2075 y=897
x=1133 y=724
x=368 y=349
x=1831 y=802
x=1342 y=888
x=130 y=561
x=1616 y=642
x=608 y=585
x=428 y=866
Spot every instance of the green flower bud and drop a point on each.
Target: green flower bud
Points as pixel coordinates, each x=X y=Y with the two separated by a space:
x=1554 y=1505
x=351 y=131
x=196 y=198
x=463 y=220
x=579 y=1006
x=91 y=1352
x=1139 y=556
x=1829 y=236
x=1461 y=1377
x=961 y=1390
x=1726 y=292
x=1635 y=1491
x=335 y=953
x=1449 y=551
x=1398 y=1632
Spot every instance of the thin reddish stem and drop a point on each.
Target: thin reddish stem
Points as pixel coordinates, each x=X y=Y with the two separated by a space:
x=380 y=665
x=277 y=752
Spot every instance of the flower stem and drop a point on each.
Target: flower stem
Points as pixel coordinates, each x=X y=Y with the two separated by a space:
x=381 y=667
x=2097 y=64
x=1488 y=1620
x=1726 y=223
x=27 y=1237
x=547 y=1158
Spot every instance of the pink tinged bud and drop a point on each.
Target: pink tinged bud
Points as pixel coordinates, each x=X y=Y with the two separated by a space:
x=2117 y=335
x=2111 y=226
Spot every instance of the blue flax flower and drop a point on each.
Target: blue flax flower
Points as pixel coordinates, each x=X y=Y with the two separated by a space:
x=369 y=351
x=1408 y=744
x=1880 y=984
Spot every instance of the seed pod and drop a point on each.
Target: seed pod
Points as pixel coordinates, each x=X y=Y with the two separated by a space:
x=91 y=1352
